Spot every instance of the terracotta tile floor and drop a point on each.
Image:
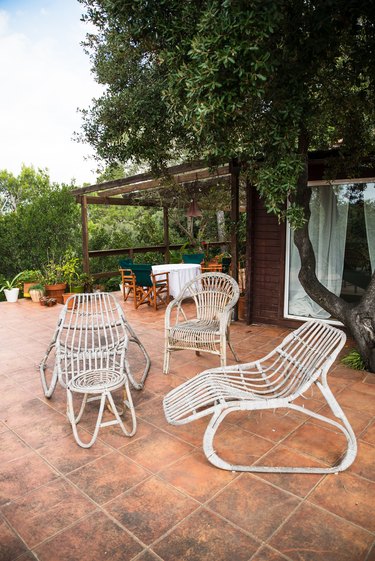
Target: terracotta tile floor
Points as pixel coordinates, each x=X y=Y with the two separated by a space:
x=155 y=497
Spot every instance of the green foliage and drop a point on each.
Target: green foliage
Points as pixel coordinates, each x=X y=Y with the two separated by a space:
x=44 y=221
x=30 y=275
x=354 y=360
x=71 y=269
x=9 y=284
x=36 y=287
x=260 y=81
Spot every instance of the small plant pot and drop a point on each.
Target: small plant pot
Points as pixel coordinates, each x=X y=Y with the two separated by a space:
x=56 y=291
x=66 y=296
x=26 y=286
x=36 y=295
x=78 y=289
x=11 y=294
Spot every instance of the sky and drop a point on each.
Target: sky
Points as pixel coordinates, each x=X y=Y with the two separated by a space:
x=44 y=78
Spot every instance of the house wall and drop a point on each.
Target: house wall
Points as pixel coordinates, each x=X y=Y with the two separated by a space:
x=266 y=260
x=266 y=255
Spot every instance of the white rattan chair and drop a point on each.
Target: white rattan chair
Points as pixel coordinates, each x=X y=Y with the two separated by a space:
x=135 y=346
x=214 y=296
x=90 y=343
x=302 y=359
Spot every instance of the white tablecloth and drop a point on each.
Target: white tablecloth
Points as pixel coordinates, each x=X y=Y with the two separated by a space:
x=179 y=275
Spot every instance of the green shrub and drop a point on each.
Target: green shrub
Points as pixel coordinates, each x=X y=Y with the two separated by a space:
x=354 y=360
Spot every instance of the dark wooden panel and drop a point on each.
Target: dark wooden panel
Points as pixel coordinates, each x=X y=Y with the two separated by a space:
x=267 y=267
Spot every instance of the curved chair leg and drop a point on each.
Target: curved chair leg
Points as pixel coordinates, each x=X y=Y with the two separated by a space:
x=218 y=417
x=128 y=403
x=48 y=389
x=232 y=349
x=134 y=339
x=106 y=394
x=167 y=356
x=73 y=420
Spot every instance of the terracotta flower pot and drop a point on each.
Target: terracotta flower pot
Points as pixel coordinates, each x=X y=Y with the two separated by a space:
x=26 y=286
x=67 y=295
x=56 y=291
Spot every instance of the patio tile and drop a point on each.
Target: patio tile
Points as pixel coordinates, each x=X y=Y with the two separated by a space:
x=254 y=505
x=192 y=433
x=323 y=444
x=195 y=476
x=11 y=547
x=93 y=539
x=31 y=410
x=53 y=428
x=359 y=400
x=147 y=555
x=346 y=373
x=150 y=509
x=238 y=446
x=114 y=436
x=109 y=476
x=205 y=537
x=46 y=510
x=348 y=496
x=269 y=425
x=156 y=449
x=358 y=419
x=368 y=435
x=68 y=456
x=297 y=483
x=268 y=554
x=11 y=447
x=312 y=534
x=365 y=461
x=22 y=475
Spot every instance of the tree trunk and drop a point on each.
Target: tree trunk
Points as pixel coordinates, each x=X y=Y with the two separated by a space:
x=359 y=319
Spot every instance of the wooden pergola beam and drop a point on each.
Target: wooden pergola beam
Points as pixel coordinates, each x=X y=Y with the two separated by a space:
x=140 y=178
x=116 y=201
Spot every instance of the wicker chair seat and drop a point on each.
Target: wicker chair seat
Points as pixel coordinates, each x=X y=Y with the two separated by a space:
x=95 y=381
x=195 y=333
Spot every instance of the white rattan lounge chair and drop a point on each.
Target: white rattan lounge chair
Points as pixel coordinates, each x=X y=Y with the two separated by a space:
x=214 y=296
x=91 y=345
x=302 y=359
x=107 y=305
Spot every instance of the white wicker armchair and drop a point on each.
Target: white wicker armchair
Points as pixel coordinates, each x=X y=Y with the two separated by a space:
x=214 y=296
x=302 y=359
x=91 y=345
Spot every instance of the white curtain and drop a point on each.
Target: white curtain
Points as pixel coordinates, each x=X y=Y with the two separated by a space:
x=327 y=229
x=369 y=207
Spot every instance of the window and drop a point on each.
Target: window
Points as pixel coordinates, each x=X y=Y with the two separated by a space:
x=342 y=231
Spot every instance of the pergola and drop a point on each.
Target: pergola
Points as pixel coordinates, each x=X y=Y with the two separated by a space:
x=129 y=190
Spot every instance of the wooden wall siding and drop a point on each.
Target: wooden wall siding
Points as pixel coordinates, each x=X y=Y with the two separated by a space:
x=267 y=261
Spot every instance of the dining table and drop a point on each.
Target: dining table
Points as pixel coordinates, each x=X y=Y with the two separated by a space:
x=179 y=275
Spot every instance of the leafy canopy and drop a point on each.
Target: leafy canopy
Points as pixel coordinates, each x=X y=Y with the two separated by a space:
x=260 y=81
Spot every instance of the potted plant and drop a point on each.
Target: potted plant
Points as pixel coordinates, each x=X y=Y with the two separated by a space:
x=29 y=277
x=10 y=289
x=71 y=270
x=53 y=280
x=36 y=291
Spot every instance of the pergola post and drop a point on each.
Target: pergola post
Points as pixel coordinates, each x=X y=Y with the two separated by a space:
x=234 y=215
x=85 y=235
x=166 y=234
x=249 y=249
